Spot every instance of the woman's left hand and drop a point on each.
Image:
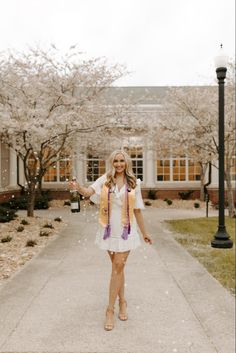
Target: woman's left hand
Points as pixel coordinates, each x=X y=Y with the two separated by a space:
x=73 y=185
x=147 y=239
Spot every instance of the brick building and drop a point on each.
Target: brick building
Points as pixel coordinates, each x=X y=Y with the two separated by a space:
x=167 y=175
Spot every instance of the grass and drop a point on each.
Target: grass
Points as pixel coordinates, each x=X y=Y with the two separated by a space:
x=196 y=235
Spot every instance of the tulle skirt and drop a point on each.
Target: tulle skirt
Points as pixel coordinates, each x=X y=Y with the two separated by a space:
x=117 y=243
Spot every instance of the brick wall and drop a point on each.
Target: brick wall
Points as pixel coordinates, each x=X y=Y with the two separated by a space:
x=7 y=195
x=171 y=193
x=214 y=195
x=59 y=195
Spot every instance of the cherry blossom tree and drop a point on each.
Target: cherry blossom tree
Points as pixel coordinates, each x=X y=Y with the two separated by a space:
x=190 y=124
x=46 y=99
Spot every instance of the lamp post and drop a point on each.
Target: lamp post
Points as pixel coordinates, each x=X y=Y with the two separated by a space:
x=221 y=238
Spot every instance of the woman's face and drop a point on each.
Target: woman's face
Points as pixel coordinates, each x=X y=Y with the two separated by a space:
x=119 y=163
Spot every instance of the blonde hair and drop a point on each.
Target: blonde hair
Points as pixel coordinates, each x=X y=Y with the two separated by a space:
x=130 y=177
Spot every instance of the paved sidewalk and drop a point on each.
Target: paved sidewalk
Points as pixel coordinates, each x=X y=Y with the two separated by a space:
x=57 y=302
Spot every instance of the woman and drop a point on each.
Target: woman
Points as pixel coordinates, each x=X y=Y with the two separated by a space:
x=119 y=195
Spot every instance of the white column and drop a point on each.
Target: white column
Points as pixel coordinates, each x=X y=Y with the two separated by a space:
x=214 y=177
x=79 y=167
x=22 y=180
x=12 y=169
x=150 y=165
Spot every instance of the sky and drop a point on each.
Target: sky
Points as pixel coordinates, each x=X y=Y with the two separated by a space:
x=161 y=42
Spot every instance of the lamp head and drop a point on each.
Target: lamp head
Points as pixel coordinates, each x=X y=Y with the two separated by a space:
x=221 y=60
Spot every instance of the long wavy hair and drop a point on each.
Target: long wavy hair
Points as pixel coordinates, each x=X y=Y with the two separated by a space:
x=129 y=175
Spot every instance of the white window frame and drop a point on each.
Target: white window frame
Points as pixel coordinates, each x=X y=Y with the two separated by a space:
x=58 y=171
x=136 y=159
x=94 y=159
x=171 y=160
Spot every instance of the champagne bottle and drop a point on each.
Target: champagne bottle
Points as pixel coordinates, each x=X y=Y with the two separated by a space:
x=74 y=197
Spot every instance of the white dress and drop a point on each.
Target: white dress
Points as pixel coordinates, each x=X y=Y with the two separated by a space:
x=115 y=242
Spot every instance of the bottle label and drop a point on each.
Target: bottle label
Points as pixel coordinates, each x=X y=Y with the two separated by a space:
x=74 y=205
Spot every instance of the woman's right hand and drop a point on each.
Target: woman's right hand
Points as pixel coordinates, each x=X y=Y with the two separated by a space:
x=147 y=239
x=73 y=185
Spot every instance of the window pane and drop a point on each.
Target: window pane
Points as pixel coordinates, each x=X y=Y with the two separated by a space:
x=163 y=170
x=63 y=168
x=51 y=174
x=194 y=170
x=95 y=167
x=136 y=155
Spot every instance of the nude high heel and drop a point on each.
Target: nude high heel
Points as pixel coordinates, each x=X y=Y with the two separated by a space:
x=109 y=324
x=122 y=316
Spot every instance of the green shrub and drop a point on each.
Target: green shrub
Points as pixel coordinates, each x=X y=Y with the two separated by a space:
x=24 y=222
x=17 y=203
x=48 y=225
x=66 y=203
x=148 y=203
x=58 y=219
x=196 y=204
x=20 y=229
x=41 y=202
x=31 y=242
x=20 y=203
x=152 y=194
x=168 y=201
x=6 y=239
x=6 y=214
x=185 y=195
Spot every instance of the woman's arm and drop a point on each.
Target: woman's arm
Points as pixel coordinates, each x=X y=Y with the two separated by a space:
x=139 y=218
x=86 y=192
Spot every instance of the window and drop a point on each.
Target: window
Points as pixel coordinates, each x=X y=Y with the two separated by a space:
x=65 y=168
x=96 y=167
x=51 y=173
x=60 y=170
x=163 y=170
x=178 y=169
x=194 y=170
x=136 y=155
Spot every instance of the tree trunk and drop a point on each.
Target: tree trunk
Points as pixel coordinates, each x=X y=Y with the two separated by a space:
x=202 y=179
x=202 y=193
x=31 y=200
x=230 y=195
x=40 y=185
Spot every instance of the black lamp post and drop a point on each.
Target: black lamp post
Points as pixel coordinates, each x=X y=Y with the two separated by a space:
x=221 y=238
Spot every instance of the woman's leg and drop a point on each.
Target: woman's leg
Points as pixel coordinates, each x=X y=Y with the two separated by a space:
x=117 y=277
x=121 y=292
x=116 y=284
